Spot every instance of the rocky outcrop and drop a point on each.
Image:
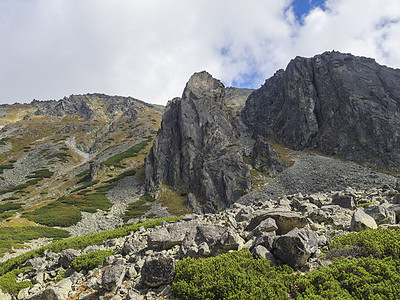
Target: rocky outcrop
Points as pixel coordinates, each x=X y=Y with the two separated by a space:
x=197 y=146
x=336 y=103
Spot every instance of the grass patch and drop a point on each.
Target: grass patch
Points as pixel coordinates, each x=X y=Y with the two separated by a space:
x=6 y=215
x=10 y=236
x=175 y=203
x=116 y=159
x=90 y=260
x=55 y=214
x=20 y=186
x=136 y=210
x=122 y=176
x=86 y=185
x=61 y=156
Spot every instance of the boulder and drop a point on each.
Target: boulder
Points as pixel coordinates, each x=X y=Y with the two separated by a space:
x=266 y=225
x=208 y=239
x=67 y=256
x=169 y=236
x=132 y=245
x=381 y=214
x=112 y=277
x=158 y=270
x=295 y=247
x=261 y=251
x=361 y=221
x=285 y=220
x=343 y=199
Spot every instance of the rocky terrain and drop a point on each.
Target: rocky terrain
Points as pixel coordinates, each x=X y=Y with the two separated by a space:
x=291 y=230
x=313 y=154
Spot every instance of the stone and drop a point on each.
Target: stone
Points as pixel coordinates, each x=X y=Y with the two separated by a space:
x=381 y=214
x=296 y=247
x=158 y=270
x=245 y=214
x=67 y=256
x=208 y=240
x=266 y=225
x=261 y=251
x=361 y=221
x=344 y=200
x=170 y=236
x=112 y=277
x=132 y=245
x=285 y=220
x=192 y=204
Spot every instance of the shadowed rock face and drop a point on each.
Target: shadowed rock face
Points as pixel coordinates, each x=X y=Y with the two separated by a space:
x=335 y=103
x=197 y=146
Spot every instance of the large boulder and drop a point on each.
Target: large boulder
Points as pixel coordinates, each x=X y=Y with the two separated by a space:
x=170 y=236
x=361 y=221
x=113 y=276
x=381 y=214
x=209 y=240
x=67 y=256
x=285 y=220
x=158 y=270
x=296 y=247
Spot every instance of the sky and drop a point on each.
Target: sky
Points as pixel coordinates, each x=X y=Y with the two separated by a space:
x=148 y=49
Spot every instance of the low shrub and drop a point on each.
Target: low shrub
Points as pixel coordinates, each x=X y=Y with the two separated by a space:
x=116 y=159
x=235 y=275
x=90 y=260
x=55 y=214
x=8 y=284
x=136 y=210
x=9 y=206
x=41 y=174
x=5 y=167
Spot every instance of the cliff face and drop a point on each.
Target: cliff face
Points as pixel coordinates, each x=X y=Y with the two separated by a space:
x=334 y=103
x=197 y=148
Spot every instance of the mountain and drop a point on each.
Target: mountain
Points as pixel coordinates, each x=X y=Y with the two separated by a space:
x=102 y=197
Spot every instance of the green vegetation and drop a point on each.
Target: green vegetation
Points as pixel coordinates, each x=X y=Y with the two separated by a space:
x=60 y=276
x=4 y=141
x=20 y=187
x=8 y=284
x=11 y=236
x=235 y=275
x=373 y=272
x=116 y=159
x=365 y=204
x=86 y=185
x=90 y=260
x=6 y=215
x=80 y=242
x=138 y=208
x=6 y=167
x=122 y=176
x=9 y=206
x=55 y=214
x=61 y=156
x=41 y=174
x=89 y=202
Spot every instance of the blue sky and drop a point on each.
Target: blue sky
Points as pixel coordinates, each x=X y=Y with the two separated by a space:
x=148 y=49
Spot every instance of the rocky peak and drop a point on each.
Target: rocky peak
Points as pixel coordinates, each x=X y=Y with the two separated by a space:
x=197 y=147
x=336 y=103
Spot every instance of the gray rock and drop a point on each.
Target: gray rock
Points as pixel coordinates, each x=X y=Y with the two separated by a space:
x=335 y=103
x=198 y=146
x=266 y=225
x=361 y=221
x=261 y=251
x=344 y=200
x=112 y=277
x=170 y=236
x=158 y=270
x=208 y=239
x=67 y=256
x=285 y=220
x=381 y=214
x=192 y=204
x=132 y=245
x=296 y=247
x=245 y=214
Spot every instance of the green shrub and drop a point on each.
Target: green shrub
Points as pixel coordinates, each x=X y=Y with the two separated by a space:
x=20 y=186
x=41 y=174
x=90 y=260
x=55 y=214
x=4 y=167
x=136 y=209
x=89 y=202
x=379 y=243
x=9 y=206
x=147 y=197
x=235 y=275
x=6 y=215
x=8 y=284
x=9 y=236
x=362 y=278
x=86 y=185
x=116 y=159
x=80 y=242
x=122 y=176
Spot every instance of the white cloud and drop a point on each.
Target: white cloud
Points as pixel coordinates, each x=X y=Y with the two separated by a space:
x=149 y=48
